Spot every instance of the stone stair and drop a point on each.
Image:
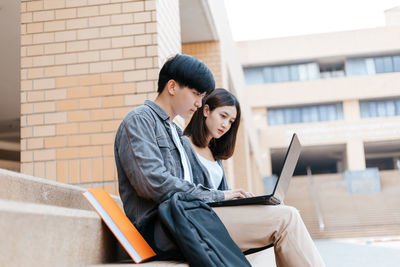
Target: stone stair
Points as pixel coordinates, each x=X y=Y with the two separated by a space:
x=348 y=215
x=44 y=235
x=45 y=223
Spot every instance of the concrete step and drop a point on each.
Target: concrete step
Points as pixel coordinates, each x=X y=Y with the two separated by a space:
x=21 y=187
x=146 y=264
x=43 y=235
x=46 y=223
x=259 y=259
x=347 y=215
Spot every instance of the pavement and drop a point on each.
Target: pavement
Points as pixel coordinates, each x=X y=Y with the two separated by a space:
x=360 y=252
x=347 y=252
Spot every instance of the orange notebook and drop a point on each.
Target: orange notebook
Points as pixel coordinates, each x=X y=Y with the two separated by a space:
x=120 y=225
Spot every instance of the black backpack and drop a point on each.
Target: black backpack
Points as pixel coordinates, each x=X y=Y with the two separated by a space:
x=199 y=233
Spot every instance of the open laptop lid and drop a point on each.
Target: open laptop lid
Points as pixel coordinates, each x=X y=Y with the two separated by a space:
x=289 y=165
x=281 y=185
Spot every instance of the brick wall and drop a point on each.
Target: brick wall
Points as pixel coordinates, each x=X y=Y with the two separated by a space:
x=84 y=65
x=209 y=53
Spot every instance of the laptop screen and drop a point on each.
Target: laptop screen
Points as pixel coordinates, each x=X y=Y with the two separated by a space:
x=289 y=165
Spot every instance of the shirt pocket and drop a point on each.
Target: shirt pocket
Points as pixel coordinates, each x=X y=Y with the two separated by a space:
x=168 y=157
x=162 y=143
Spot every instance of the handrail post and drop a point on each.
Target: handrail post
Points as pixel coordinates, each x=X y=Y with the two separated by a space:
x=314 y=196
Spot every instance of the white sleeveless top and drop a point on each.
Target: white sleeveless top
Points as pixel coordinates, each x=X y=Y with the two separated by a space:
x=215 y=171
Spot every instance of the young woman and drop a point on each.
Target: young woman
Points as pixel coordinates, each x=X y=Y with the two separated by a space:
x=212 y=132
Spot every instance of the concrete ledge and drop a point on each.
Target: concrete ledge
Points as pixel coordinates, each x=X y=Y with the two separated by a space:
x=21 y=187
x=46 y=223
x=262 y=258
x=147 y=264
x=42 y=235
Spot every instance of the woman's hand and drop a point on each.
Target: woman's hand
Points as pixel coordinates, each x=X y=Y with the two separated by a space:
x=236 y=193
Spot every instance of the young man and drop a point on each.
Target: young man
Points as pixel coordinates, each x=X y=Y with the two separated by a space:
x=154 y=161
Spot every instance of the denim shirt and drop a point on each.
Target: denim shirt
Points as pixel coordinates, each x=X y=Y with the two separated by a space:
x=149 y=166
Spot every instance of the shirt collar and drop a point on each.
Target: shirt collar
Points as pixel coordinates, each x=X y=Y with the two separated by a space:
x=162 y=114
x=157 y=109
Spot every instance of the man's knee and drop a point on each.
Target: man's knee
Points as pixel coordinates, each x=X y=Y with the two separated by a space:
x=289 y=215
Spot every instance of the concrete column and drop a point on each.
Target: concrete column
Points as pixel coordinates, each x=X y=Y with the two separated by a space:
x=266 y=158
x=168 y=29
x=229 y=172
x=351 y=110
x=256 y=180
x=356 y=160
x=242 y=166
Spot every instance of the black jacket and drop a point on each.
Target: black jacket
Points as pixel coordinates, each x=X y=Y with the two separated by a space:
x=199 y=233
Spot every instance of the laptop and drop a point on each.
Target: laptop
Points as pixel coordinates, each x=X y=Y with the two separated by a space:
x=281 y=185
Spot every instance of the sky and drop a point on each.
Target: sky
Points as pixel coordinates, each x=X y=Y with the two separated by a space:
x=262 y=19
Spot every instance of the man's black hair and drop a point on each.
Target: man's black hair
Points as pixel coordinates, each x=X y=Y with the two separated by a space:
x=186 y=71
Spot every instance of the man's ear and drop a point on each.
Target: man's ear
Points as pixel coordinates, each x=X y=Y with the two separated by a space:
x=206 y=110
x=172 y=87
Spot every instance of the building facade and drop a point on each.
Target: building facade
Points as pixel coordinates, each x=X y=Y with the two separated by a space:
x=339 y=91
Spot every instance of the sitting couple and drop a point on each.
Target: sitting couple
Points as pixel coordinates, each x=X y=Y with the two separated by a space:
x=155 y=160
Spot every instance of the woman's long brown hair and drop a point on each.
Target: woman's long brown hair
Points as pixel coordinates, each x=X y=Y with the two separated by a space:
x=223 y=147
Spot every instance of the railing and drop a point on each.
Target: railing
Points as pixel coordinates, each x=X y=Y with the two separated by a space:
x=315 y=198
x=329 y=210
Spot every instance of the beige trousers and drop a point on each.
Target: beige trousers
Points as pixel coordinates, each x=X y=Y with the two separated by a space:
x=256 y=226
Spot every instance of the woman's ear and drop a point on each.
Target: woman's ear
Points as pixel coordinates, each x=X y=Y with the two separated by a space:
x=206 y=110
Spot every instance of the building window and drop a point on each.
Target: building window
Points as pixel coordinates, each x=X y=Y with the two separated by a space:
x=313 y=70
x=282 y=73
x=305 y=114
x=372 y=65
x=331 y=71
x=380 y=108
